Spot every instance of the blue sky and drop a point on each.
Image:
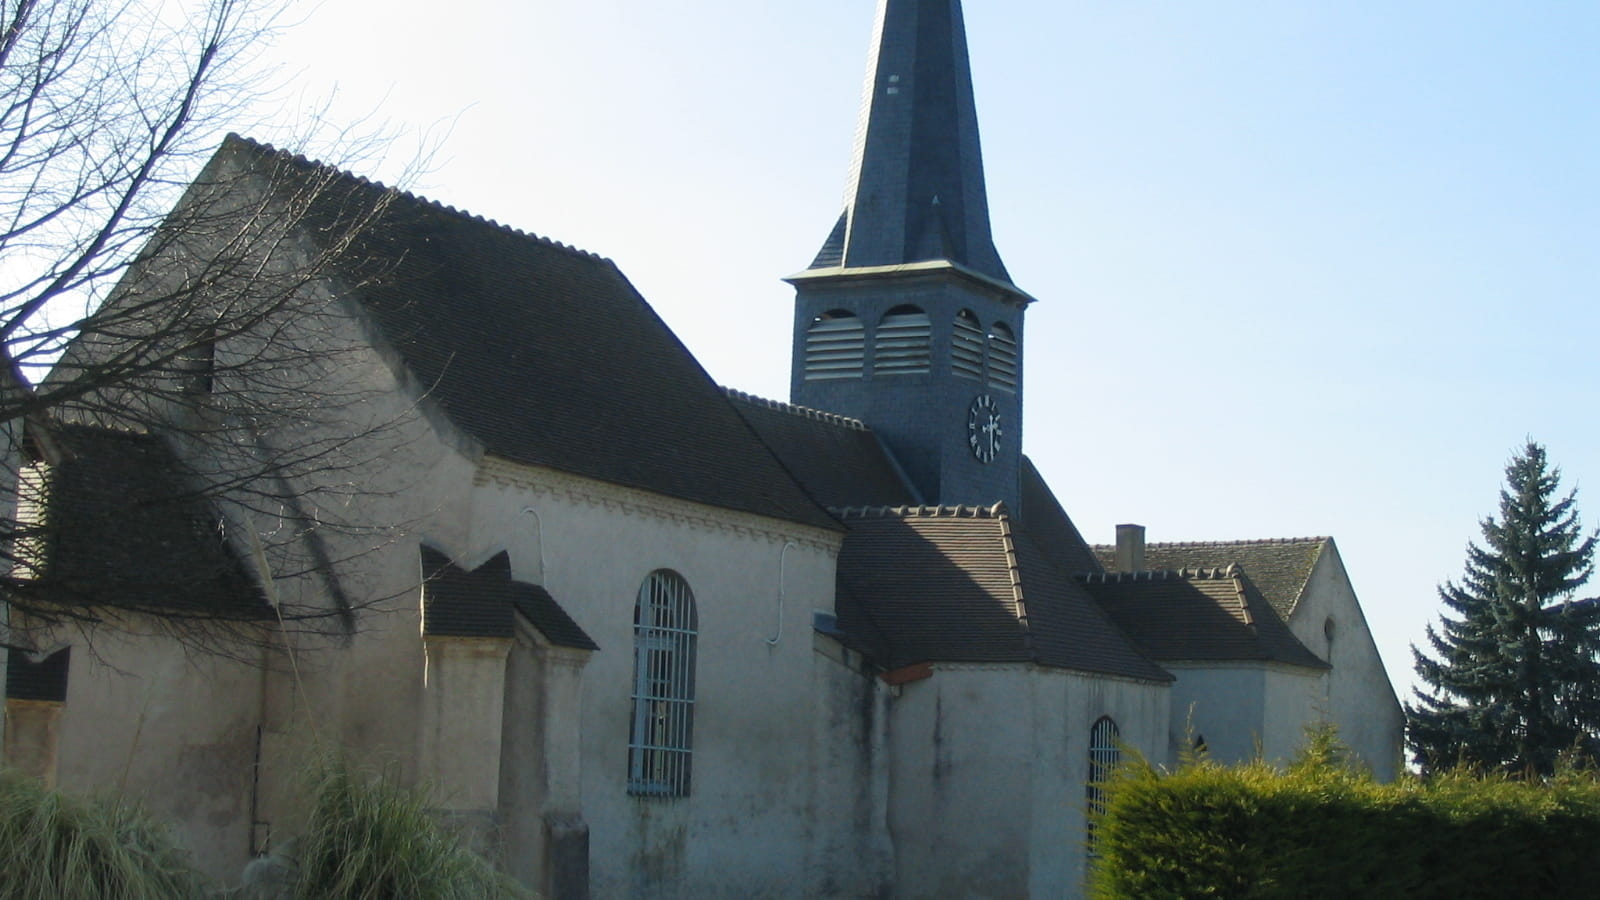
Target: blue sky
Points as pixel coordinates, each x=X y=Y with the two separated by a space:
x=1302 y=268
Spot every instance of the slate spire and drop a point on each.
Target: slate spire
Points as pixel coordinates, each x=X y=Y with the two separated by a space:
x=916 y=188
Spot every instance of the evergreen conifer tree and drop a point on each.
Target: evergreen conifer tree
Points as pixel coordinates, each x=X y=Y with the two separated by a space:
x=1512 y=677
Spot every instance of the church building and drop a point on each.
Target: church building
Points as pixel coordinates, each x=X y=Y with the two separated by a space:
x=645 y=636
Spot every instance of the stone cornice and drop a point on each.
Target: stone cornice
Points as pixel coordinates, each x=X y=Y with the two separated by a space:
x=632 y=502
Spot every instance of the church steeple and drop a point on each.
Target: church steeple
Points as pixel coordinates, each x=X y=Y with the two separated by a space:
x=916 y=188
x=907 y=319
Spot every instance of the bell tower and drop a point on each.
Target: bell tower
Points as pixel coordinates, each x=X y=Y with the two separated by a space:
x=907 y=319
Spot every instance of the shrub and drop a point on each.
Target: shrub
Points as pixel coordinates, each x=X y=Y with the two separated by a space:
x=57 y=847
x=1322 y=829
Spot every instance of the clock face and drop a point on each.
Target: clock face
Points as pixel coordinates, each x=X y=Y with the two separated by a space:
x=983 y=428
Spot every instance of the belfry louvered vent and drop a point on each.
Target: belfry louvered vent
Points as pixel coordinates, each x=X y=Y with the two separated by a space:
x=902 y=347
x=966 y=346
x=834 y=346
x=1002 y=358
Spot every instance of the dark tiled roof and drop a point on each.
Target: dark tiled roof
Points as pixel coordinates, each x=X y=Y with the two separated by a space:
x=838 y=460
x=481 y=603
x=544 y=353
x=1279 y=567
x=955 y=584
x=1198 y=614
x=123 y=528
x=42 y=680
x=1051 y=527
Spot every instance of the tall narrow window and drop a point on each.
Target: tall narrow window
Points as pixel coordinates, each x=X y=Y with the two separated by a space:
x=1002 y=357
x=1103 y=757
x=196 y=365
x=902 y=346
x=966 y=346
x=662 y=735
x=834 y=346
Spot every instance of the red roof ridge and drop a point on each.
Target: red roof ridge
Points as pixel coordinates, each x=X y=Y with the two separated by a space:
x=303 y=160
x=997 y=511
x=792 y=409
x=1231 y=570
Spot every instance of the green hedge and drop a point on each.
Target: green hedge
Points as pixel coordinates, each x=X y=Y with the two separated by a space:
x=1320 y=829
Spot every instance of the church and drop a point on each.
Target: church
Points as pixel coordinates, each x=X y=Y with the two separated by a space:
x=642 y=635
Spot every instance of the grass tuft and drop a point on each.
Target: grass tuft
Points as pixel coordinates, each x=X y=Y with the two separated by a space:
x=57 y=847
x=369 y=838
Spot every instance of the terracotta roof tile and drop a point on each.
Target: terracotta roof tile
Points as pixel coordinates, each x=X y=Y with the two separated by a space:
x=958 y=584
x=1280 y=567
x=1198 y=614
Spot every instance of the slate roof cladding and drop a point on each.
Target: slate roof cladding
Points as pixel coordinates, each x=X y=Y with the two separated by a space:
x=916 y=187
x=1198 y=615
x=546 y=354
x=122 y=528
x=1279 y=567
x=481 y=603
x=1050 y=525
x=959 y=584
x=838 y=460
x=44 y=680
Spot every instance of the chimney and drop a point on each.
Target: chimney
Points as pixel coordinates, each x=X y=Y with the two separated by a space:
x=1130 y=548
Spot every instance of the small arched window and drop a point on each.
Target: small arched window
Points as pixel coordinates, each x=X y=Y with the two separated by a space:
x=835 y=344
x=1002 y=357
x=1104 y=755
x=966 y=346
x=662 y=735
x=902 y=346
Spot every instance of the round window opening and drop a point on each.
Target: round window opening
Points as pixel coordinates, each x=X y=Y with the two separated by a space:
x=1327 y=628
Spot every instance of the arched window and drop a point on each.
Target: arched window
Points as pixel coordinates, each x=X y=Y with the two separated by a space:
x=966 y=346
x=1103 y=757
x=835 y=345
x=662 y=735
x=1002 y=357
x=902 y=346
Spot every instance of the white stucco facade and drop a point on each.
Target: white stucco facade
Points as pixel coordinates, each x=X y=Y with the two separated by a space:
x=1356 y=695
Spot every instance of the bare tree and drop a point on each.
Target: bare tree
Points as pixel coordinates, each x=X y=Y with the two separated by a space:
x=192 y=354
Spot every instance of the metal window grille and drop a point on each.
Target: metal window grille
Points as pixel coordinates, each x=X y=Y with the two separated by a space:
x=660 y=741
x=1002 y=357
x=902 y=346
x=966 y=346
x=835 y=345
x=1103 y=757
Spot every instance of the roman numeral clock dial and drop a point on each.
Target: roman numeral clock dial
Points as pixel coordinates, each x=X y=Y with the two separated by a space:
x=983 y=428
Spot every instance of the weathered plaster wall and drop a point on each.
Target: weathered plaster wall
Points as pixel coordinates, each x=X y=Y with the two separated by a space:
x=1243 y=710
x=1068 y=704
x=1358 y=697
x=174 y=730
x=988 y=771
x=749 y=825
x=1221 y=702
